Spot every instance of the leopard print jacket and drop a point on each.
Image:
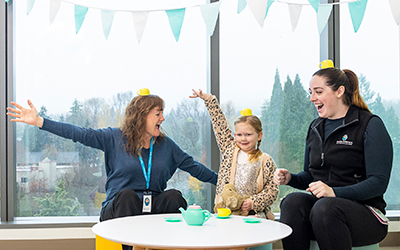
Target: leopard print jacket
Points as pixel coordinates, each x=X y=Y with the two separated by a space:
x=268 y=190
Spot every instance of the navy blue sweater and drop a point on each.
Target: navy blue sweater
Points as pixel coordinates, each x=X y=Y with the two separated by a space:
x=124 y=170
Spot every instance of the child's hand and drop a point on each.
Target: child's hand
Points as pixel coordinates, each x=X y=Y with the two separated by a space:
x=199 y=94
x=247 y=205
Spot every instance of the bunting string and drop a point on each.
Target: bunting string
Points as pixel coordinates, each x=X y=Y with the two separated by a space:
x=209 y=12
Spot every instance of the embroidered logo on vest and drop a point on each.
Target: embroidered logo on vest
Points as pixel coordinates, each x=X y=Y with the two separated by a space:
x=344 y=140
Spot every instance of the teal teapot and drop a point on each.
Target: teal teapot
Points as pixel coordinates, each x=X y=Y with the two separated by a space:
x=194 y=215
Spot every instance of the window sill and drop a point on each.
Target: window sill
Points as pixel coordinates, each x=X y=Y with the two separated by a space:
x=50 y=222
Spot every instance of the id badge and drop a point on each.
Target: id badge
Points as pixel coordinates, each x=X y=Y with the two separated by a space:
x=147 y=202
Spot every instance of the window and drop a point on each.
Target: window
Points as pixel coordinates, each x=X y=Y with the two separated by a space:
x=87 y=80
x=265 y=68
x=373 y=54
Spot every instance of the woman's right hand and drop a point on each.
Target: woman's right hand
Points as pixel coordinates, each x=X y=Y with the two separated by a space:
x=28 y=116
x=282 y=176
x=199 y=94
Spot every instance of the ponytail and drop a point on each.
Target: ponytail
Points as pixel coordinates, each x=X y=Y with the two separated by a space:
x=356 y=98
x=256 y=154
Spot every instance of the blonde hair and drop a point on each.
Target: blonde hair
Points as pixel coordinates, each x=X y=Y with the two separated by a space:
x=256 y=124
x=349 y=80
x=134 y=121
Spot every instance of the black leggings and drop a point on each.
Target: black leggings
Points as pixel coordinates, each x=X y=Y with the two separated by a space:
x=127 y=203
x=335 y=223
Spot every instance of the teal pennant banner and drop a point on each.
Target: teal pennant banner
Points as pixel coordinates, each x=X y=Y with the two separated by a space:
x=29 y=6
x=241 y=5
x=269 y=3
x=314 y=4
x=175 y=21
x=107 y=18
x=210 y=15
x=80 y=14
x=323 y=14
x=357 y=10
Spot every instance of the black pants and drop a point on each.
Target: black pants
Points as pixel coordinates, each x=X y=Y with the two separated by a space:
x=127 y=203
x=335 y=223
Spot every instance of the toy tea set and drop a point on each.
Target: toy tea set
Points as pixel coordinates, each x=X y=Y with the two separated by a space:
x=194 y=215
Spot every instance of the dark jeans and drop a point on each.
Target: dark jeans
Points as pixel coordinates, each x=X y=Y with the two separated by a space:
x=127 y=203
x=335 y=223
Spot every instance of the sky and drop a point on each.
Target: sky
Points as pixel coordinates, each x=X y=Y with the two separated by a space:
x=54 y=65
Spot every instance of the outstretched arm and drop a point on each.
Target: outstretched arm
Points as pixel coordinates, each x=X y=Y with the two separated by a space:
x=28 y=116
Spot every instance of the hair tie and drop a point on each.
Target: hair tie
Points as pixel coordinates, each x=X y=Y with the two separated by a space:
x=143 y=92
x=325 y=64
x=246 y=112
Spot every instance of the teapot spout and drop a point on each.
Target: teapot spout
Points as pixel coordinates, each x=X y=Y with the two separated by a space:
x=182 y=210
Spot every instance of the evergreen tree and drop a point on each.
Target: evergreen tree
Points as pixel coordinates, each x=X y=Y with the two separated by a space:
x=366 y=93
x=57 y=204
x=270 y=118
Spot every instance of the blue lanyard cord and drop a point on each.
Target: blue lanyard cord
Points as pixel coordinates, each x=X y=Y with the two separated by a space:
x=147 y=173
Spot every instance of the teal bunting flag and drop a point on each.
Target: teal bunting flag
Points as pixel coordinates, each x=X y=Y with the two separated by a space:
x=210 y=16
x=29 y=6
x=80 y=14
x=270 y=2
x=323 y=14
x=107 y=18
x=314 y=4
x=357 y=10
x=241 y=5
x=176 y=20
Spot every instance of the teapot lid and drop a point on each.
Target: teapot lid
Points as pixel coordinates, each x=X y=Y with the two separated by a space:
x=194 y=206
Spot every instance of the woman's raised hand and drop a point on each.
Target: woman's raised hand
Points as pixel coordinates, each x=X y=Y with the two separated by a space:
x=282 y=176
x=28 y=116
x=199 y=94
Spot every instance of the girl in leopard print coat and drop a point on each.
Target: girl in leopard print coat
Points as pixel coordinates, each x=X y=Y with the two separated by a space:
x=242 y=162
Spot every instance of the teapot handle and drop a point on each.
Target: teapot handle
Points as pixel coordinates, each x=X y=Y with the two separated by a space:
x=207 y=215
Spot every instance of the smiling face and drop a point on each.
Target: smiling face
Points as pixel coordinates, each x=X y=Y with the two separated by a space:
x=329 y=103
x=153 y=123
x=246 y=137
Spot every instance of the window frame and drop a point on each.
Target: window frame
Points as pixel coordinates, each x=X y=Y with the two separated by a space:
x=329 y=48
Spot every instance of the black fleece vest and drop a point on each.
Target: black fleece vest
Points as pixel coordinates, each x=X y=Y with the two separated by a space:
x=339 y=159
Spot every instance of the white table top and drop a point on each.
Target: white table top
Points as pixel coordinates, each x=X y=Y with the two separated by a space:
x=153 y=231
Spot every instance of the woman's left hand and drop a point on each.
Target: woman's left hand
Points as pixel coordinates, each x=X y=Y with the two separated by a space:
x=320 y=189
x=247 y=206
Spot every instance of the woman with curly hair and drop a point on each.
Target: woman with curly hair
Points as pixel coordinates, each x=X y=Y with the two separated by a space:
x=139 y=158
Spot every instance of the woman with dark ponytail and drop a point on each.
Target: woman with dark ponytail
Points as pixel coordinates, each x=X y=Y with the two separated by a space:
x=347 y=165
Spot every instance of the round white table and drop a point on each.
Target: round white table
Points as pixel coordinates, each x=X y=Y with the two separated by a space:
x=153 y=231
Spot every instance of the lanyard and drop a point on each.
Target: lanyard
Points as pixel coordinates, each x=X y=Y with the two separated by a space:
x=147 y=173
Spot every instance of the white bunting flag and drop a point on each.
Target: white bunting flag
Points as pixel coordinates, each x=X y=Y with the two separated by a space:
x=294 y=11
x=140 y=20
x=395 y=6
x=258 y=8
x=54 y=7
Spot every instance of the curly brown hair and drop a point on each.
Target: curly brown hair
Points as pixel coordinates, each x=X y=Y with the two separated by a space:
x=134 y=121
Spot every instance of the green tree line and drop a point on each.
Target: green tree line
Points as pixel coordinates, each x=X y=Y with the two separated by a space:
x=285 y=116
